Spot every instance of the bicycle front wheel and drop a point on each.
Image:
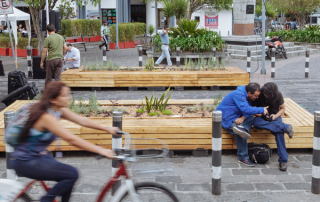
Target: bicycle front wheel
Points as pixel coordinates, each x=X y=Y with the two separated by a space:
x=150 y=191
x=24 y=198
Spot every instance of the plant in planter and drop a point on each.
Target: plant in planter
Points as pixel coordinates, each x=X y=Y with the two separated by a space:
x=155 y=103
x=150 y=30
x=149 y=64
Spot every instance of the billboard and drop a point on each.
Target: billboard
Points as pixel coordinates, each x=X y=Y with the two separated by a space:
x=211 y=20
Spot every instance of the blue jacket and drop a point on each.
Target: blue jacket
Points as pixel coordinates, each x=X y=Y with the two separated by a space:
x=235 y=105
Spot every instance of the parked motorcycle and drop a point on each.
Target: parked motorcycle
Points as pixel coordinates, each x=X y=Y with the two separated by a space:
x=276 y=42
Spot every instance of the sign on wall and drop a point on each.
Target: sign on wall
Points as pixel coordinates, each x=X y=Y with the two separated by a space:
x=211 y=20
x=6 y=7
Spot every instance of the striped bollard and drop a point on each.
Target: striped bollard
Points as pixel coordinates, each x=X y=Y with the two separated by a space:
x=214 y=50
x=306 y=70
x=315 y=182
x=116 y=143
x=140 y=56
x=178 y=57
x=104 y=55
x=11 y=174
x=29 y=55
x=273 y=62
x=216 y=152
x=248 y=61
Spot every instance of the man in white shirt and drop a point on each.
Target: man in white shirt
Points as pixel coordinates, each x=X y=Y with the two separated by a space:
x=72 y=58
x=105 y=34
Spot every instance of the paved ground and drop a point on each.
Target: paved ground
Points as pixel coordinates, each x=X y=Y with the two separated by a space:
x=191 y=177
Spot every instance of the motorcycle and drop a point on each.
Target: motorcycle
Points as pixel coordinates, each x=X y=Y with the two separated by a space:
x=276 y=42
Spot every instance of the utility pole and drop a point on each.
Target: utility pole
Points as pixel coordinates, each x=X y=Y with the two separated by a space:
x=263 y=67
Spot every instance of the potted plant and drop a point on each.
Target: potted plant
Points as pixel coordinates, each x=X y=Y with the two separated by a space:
x=129 y=30
x=4 y=42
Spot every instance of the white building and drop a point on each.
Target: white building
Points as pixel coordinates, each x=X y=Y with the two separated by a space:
x=139 y=11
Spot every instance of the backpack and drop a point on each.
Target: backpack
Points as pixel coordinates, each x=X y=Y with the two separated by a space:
x=15 y=127
x=259 y=153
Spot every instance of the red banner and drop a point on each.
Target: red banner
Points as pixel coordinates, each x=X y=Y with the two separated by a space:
x=211 y=20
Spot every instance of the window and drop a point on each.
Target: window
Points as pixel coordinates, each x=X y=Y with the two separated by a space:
x=197 y=18
x=314 y=20
x=162 y=20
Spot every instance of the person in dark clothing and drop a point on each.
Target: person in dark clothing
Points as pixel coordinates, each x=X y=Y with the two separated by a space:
x=270 y=96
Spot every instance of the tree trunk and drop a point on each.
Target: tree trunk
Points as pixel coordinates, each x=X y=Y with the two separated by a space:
x=36 y=23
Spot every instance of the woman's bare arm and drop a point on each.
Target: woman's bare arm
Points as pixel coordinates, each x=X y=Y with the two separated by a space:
x=50 y=123
x=83 y=121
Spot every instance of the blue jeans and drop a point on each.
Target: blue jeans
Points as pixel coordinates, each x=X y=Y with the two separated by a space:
x=277 y=128
x=165 y=54
x=242 y=145
x=48 y=169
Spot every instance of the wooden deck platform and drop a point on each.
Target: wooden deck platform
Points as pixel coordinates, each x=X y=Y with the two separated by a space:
x=180 y=132
x=233 y=76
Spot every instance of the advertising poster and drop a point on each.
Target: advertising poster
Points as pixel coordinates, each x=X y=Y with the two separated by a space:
x=211 y=20
x=92 y=14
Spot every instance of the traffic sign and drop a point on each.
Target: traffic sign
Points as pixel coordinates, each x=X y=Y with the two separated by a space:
x=6 y=7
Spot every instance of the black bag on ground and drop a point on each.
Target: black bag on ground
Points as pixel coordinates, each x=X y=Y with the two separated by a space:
x=16 y=79
x=259 y=153
x=26 y=92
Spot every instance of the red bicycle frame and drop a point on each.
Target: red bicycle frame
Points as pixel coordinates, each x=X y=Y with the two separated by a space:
x=121 y=171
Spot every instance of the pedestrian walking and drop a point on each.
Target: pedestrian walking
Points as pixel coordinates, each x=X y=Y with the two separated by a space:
x=55 y=47
x=164 y=47
x=105 y=34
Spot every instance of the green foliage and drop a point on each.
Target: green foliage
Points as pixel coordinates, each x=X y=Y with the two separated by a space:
x=188 y=37
x=150 y=29
x=22 y=42
x=149 y=64
x=168 y=8
x=156 y=103
x=166 y=112
x=140 y=111
x=189 y=109
x=181 y=9
x=313 y=28
x=217 y=99
x=153 y=113
x=306 y=36
x=126 y=31
x=86 y=27
x=66 y=11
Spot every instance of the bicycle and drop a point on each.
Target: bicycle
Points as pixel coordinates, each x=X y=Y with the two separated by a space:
x=11 y=190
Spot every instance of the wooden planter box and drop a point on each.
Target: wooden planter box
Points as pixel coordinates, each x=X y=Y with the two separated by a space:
x=95 y=38
x=20 y=52
x=112 y=46
x=4 y=51
x=180 y=132
x=233 y=76
x=35 y=52
x=129 y=44
x=70 y=40
x=121 y=45
x=80 y=39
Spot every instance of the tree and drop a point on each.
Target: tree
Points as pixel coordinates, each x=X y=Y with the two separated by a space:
x=177 y=8
x=66 y=11
x=218 y=5
x=271 y=11
x=168 y=9
x=36 y=5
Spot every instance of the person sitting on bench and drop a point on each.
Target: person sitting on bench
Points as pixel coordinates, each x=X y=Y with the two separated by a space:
x=270 y=96
x=237 y=117
x=72 y=58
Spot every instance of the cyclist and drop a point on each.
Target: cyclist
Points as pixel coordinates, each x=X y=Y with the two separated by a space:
x=30 y=159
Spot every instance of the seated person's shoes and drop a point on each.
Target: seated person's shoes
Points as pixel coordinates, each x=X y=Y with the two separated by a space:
x=283 y=166
x=289 y=131
x=247 y=162
x=241 y=131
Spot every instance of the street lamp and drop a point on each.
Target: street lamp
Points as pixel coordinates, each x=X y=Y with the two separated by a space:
x=263 y=66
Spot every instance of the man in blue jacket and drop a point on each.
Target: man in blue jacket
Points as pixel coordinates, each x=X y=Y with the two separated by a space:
x=237 y=116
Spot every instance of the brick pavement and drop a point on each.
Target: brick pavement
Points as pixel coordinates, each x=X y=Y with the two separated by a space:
x=192 y=176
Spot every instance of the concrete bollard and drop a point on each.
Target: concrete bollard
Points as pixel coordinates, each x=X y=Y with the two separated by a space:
x=315 y=182
x=248 y=61
x=214 y=50
x=178 y=57
x=116 y=143
x=140 y=56
x=216 y=151
x=29 y=55
x=11 y=174
x=104 y=55
x=306 y=70
x=273 y=62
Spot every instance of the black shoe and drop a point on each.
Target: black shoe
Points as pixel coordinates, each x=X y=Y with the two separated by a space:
x=290 y=132
x=247 y=162
x=241 y=131
x=283 y=166
x=108 y=50
x=100 y=47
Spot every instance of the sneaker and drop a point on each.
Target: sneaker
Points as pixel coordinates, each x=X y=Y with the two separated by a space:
x=283 y=166
x=290 y=132
x=241 y=131
x=156 y=65
x=247 y=162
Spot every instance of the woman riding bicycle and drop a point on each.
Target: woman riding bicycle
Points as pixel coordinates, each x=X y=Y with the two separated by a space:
x=30 y=158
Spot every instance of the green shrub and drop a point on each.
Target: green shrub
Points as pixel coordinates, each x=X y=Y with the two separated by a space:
x=166 y=112
x=153 y=113
x=70 y=28
x=140 y=28
x=126 y=31
x=22 y=42
x=310 y=35
x=140 y=111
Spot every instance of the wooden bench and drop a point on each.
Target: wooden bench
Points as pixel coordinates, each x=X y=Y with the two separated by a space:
x=180 y=133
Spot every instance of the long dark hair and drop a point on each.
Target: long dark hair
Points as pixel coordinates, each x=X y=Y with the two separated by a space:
x=52 y=91
x=270 y=89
